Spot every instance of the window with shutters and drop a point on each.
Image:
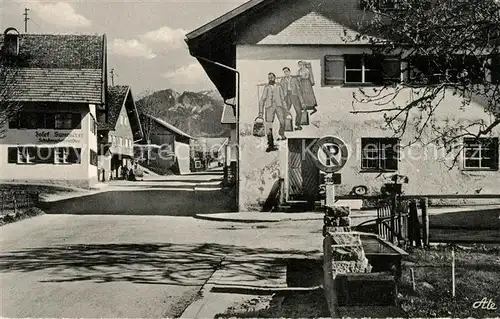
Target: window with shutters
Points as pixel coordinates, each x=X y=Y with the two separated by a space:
x=359 y=69
x=379 y=154
x=28 y=120
x=68 y=121
x=61 y=155
x=436 y=70
x=26 y=154
x=481 y=154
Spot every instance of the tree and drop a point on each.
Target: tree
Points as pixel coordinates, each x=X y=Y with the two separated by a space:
x=149 y=105
x=446 y=47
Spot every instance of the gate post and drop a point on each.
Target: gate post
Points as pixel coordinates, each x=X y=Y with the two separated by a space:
x=393 y=216
x=424 y=202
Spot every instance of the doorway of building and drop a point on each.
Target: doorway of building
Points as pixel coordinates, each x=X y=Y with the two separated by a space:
x=303 y=175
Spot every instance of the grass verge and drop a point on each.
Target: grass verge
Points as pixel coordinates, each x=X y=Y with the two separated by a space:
x=477 y=276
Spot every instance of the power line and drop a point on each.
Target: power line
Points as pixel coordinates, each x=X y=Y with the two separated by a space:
x=25 y=14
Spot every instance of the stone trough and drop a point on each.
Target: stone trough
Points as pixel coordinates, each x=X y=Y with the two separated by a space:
x=356 y=269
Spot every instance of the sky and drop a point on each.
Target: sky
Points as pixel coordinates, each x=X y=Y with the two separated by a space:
x=146 y=45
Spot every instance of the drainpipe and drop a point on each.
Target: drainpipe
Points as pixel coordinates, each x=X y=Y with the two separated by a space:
x=237 y=108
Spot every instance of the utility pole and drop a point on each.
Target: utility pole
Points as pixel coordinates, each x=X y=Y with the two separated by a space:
x=25 y=14
x=112 y=74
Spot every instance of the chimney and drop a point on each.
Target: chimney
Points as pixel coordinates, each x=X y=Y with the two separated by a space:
x=11 y=42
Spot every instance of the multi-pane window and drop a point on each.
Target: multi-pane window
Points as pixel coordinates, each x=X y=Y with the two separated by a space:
x=37 y=120
x=26 y=155
x=360 y=69
x=61 y=155
x=68 y=120
x=379 y=154
x=481 y=153
x=435 y=70
x=44 y=155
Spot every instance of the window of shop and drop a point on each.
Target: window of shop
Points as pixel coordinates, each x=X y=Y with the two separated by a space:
x=44 y=155
x=481 y=154
x=61 y=155
x=26 y=155
x=379 y=154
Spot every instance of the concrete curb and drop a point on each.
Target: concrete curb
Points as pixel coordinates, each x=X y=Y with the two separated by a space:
x=225 y=218
x=235 y=220
x=244 y=290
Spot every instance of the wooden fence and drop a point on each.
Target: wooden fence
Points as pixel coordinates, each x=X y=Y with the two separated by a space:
x=392 y=220
x=404 y=220
x=12 y=201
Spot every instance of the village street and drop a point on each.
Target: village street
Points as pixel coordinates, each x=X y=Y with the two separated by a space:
x=127 y=266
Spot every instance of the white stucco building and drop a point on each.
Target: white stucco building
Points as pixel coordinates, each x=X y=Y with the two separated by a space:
x=262 y=39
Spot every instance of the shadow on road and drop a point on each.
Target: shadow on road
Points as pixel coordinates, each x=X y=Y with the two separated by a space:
x=169 y=264
x=147 y=202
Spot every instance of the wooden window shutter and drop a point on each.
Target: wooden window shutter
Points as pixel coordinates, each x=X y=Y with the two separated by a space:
x=334 y=70
x=12 y=155
x=495 y=69
x=495 y=150
x=74 y=155
x=391 y=70
x=76 y=119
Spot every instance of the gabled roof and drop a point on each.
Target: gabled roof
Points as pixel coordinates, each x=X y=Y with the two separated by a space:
x=61 y=51
x=60 y=68
x=225 y=18
x=169 y=126
x=271 y=22
x=214 y=41
x=117 y=97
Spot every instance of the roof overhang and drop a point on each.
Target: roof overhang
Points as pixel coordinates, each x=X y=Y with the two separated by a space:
x=133 y=110
x=215 y=41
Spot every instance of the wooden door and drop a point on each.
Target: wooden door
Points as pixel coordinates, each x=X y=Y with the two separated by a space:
x=303 y=175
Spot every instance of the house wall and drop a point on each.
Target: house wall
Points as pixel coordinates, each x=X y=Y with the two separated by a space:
x=123 y=130
x=91 y=128
x=259 y=170
x=81 y=174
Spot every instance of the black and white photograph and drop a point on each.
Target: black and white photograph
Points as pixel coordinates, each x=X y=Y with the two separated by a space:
x=249 y=159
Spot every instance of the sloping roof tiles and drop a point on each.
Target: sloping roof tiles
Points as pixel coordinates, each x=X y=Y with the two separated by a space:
x=58 y=85
x=169 y=126
x=115 y=98
x=60 y=68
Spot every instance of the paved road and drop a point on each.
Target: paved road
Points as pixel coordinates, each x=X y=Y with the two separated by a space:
x=126 y=266
x=166 y=195
x=146 y=202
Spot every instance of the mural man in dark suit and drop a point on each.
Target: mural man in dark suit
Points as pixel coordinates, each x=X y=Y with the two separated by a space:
x=293 y=95
x=272 y=102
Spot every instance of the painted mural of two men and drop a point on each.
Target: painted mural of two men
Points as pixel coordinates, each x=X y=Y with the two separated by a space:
x=278 y=98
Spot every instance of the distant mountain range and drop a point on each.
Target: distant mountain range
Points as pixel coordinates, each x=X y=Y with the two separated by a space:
x=196 y=113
